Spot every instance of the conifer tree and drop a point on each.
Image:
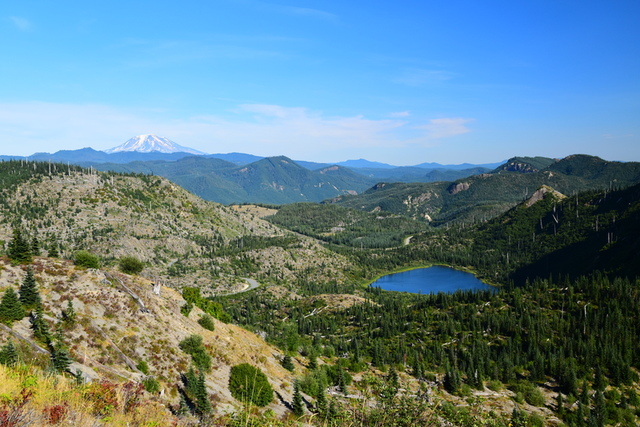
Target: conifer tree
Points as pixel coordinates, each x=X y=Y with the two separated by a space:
x=29 y=295
x=332 y=410
x=342 y=380
x=599 y=381
x=321 y=403
x=10 y=308
x=19 y=248
x=452 y=381
x=39 y=326
x=417 y=367
x=35 y=246
x=518 y=418
x=297 y=406
x=202 y=402
x=8 y=354
x=60 y=357
x=560 y=404
x=69 y=314
x=196 y=391
x=287 y=363
x=53 y=250
x=313 y=362
x=183 y=407
x=600 y=409
x=392 y=378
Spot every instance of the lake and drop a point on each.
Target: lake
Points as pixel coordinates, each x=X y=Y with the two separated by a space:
x=431 y=280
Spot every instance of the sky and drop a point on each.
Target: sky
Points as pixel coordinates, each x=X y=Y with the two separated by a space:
x=404 y=82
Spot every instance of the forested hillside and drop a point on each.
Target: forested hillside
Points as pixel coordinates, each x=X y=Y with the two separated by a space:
x=342 y=226
x=482 y=197
x=273 y=180
x=566 y=347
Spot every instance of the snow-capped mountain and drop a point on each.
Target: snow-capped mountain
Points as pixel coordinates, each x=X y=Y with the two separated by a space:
x=150 y=143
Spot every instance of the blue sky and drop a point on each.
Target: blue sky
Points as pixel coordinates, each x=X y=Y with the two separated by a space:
x=401 y=82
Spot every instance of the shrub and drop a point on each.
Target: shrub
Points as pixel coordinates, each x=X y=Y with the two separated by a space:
x=55 y=414
x=151 y=385
x=534 y=396
x=249 y=384
x=86 y=259
x=143 y=367
x=186 y=309
x=206 y=321
x=193 y=346
x=527 y=391
x=130 y=265
x=192 y=296
x=495 y=385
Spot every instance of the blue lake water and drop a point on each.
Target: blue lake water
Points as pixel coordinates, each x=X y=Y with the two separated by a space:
x=431 y=280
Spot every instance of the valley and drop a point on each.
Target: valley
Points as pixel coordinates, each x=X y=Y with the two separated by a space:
x=557 y=345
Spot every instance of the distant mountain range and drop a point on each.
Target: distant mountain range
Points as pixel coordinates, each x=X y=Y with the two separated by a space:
x=438 y=193
x=153 y=147
x=246 y=178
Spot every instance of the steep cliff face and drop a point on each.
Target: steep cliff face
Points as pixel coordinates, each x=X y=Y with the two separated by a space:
x=539 y=195
x=455 y=188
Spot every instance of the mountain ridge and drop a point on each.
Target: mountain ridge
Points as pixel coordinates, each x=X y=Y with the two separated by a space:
x=483 y=196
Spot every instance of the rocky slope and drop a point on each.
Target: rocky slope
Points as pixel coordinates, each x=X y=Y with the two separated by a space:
x=112 y=333
x=182 y=239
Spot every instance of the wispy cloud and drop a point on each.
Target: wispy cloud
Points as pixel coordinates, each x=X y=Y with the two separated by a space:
x=21 y=23
x=445 y=127
x=261 y=129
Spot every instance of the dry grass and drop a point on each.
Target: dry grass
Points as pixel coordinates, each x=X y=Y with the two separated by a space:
x=29 y=397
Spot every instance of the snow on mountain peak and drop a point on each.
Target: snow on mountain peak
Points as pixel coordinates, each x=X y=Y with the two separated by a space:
x=150 y=143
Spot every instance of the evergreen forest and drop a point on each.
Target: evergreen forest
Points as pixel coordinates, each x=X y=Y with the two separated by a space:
x=556 y=339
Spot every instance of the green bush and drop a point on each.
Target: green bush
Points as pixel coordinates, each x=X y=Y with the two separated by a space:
x=151 y=385
x=534 y=396
x=130 y=265
x=495 y=385
x=143 y=367
x=193 y=346
x=249 y=384
x=186 y=309
x=206 y=321
x=192 y=296
x=527 y=391
x=86 y=259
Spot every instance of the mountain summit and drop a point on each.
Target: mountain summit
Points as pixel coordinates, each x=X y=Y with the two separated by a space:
x=150 y=143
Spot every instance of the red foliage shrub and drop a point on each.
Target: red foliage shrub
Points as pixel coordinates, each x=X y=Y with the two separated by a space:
x=56 y=413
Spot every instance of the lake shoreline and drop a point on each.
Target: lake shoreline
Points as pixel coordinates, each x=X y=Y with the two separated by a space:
x=437 y=287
